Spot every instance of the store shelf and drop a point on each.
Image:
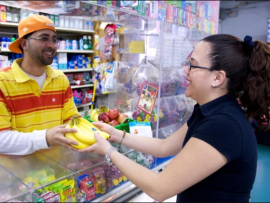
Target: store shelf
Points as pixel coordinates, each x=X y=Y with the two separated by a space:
x=81 y=86
x=104 y=93
x=3 y=24
x=75 y=51
x=75 y=70
x=61 y=51
x=4 y=50
x=71 y=30
x=58 y=29
x=83 y=105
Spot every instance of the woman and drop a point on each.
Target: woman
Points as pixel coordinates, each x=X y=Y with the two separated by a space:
x=216 y=149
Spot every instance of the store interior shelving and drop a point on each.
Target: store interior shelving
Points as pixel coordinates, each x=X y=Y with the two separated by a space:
x=35 y=173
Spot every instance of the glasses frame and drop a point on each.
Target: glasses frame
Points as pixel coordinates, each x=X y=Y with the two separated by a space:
x=211 y=69
x=49 y=40
x=191 y=66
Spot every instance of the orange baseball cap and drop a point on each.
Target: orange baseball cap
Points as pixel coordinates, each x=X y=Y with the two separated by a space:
x=30 y=24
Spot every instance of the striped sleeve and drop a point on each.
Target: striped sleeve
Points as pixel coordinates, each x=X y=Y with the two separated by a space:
x=5 y=115
x=70 y=108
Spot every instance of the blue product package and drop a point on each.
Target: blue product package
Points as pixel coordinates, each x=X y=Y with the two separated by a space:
x=71 y=65
x=80 y=64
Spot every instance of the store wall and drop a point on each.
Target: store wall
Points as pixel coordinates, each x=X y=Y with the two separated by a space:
x=250 y=21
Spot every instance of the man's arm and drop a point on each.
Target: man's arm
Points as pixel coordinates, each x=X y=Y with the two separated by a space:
x=18 y=143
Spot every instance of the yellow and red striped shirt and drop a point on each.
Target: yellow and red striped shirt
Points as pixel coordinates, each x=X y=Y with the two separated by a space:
x=24 y=107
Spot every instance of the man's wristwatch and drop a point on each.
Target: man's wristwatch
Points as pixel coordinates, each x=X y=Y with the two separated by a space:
x=108 y=154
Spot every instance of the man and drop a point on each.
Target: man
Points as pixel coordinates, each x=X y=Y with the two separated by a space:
x=35 y=100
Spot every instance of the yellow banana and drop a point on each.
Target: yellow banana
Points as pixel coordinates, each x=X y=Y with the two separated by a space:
x=80 y=144
x=95 y=118
x=83 y=135
x=93 y=114
x=91 y=128
x=85 y=132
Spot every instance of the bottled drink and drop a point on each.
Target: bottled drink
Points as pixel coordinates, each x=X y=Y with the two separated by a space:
x=85 y=43
x=81 y=43
x=89 y=43
x=56 y=20
x=4 y=43
x=9 y=14
x=24 y=14
x=16 y=15
x=8 y=41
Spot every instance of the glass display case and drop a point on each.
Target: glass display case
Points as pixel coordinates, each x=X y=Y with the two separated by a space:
x=139 y=52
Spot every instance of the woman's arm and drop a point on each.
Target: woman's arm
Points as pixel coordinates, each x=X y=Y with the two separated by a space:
x=157 y=147
x=181 y=173
x=152 y=146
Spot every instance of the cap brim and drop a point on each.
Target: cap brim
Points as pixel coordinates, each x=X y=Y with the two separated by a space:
x=15 y=46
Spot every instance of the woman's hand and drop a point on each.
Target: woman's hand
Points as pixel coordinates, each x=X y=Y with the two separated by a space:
x=110 y=130
x=100 y=147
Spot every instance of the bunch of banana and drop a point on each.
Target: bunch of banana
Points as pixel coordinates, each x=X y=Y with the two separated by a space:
x=85 y=132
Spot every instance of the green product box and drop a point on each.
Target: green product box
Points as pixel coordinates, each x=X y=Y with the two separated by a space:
x=140 y=8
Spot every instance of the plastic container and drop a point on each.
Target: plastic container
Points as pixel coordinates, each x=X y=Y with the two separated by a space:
x=3 y=42
x=122 y=126
x=74 y=44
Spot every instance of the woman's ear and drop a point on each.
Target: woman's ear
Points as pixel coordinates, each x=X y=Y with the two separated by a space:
x=220 y=77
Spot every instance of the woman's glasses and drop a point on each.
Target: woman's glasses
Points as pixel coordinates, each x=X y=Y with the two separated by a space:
x=191 y=66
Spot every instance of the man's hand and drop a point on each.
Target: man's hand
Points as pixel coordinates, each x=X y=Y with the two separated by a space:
x=56 y=136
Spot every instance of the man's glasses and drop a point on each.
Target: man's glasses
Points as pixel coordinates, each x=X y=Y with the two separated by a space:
x=191 y=66
x=55 y=41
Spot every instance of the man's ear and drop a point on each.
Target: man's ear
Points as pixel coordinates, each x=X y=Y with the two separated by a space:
x=23 y=44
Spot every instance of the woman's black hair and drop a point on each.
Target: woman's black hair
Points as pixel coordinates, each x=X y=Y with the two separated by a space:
x=247 y=64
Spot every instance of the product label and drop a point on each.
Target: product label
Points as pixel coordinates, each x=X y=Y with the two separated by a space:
x=3 y=14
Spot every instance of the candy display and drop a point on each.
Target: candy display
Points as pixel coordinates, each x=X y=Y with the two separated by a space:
x=87 y=188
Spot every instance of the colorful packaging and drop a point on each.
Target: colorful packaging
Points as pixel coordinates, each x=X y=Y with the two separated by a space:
x=207 y=10
x=37 y=198
x=169 y=13
x=51 y=197
x=87 y=186
x=189 y=20
x=141 y=8
x=194 y=21
x=68 y=192
x=184 y=17
x=214 y=30
x=205 y=25
x=153 y=9
x=162 y=7
x=183 y=5
x=180 y=16
x=175 y=15
x=3 y=13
